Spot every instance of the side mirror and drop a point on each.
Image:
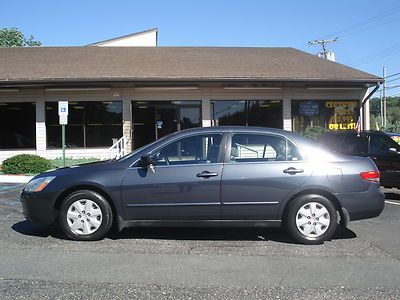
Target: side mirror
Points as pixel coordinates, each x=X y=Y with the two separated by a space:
x=393 y=150
x=147 y=161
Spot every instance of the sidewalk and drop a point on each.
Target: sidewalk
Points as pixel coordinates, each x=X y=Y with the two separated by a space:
x=14 y=178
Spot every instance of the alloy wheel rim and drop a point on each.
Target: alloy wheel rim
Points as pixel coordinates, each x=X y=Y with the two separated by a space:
x=84 y=217
x=312 y=219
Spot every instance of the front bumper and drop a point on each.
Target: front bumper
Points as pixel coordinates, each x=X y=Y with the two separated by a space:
x=38 y=207
x=363 y=205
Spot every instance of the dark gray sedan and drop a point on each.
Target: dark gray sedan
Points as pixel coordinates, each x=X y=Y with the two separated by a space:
x=219 y=176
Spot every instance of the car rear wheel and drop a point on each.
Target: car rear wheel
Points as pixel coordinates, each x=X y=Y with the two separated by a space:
x=311 y=219
x=85 y=216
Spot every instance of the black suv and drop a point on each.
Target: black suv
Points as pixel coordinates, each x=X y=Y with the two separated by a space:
x=375 y=144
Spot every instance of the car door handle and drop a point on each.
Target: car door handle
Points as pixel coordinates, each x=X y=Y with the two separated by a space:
x=207 y=174
x=292 y=171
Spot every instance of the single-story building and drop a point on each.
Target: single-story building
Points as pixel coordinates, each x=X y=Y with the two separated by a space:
x=135 y=95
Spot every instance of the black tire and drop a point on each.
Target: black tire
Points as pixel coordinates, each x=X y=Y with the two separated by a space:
x=100 y=201
x=291 y=216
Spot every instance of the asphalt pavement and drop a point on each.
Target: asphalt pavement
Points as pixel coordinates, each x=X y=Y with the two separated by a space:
x=360 y=262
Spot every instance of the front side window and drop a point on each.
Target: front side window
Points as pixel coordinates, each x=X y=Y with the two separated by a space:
x=254 y=147
x=198 y=149
x=381 y=144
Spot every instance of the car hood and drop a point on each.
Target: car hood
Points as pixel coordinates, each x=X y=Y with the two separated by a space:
x=92 y=166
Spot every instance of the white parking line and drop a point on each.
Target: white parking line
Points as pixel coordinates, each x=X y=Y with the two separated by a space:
x=391 y=202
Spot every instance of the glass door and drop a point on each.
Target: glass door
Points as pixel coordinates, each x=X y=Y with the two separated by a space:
x=153 y=120
x=166 y=121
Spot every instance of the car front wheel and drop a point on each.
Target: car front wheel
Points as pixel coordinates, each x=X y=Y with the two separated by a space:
x=85 y=216
x=311 y=219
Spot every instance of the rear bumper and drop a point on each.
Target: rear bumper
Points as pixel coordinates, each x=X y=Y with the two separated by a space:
x=38 y=207
x=363 y=205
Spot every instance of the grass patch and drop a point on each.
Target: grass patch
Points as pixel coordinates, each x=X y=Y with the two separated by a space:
x=58 y=162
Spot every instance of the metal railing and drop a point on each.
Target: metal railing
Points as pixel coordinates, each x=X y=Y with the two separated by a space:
x=117 y=150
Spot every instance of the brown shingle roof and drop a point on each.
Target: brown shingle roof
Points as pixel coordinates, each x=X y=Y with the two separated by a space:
x=69 y=64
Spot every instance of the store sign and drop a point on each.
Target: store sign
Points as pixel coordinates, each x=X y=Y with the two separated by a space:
x=309 y=108
x=63 y=112
x=343 y=114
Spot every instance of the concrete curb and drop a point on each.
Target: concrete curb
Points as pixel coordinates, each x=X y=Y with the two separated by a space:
x=14 y=178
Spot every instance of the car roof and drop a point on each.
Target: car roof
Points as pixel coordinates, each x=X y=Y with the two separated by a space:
x=352 y=132
x=237 y=129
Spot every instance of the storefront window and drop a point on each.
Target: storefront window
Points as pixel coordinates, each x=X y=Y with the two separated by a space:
x=90 y=124
x=329 y=114
x=155 y=119
x=17 y=125
x=265 y=113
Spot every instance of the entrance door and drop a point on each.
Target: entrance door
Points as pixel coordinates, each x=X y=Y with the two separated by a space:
x=153 y=120
x=166 y=121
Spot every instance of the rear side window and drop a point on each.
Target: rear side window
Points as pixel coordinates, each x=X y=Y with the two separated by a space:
x=354 y=145
x=258 y=147
x=330 y=140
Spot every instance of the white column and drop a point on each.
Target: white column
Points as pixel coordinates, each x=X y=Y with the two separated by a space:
x=127 y=120
x=366 y=111
x=287 y=113
x=40 y=127
x=206 y=112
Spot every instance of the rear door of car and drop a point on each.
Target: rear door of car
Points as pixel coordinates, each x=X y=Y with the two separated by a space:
x=260 y=171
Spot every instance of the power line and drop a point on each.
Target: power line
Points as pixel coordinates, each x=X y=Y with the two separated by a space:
x=375 y=56
x=393 y=94
x=368 y=28
x=393 y=80
x=364 y=22
x=395 y=74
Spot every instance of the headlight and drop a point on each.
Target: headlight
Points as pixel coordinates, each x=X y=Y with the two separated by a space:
x=36 y=185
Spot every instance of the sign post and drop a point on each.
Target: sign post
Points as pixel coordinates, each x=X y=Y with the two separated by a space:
x=63 y=115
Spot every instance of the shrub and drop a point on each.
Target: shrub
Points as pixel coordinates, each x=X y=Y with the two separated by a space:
x=26 y=164
x=314 y=132
x=58 y=162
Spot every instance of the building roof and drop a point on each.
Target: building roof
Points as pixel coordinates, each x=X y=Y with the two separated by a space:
x=43 y=65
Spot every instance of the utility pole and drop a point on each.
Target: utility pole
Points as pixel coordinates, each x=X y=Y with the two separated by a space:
x=381 y=98
x=323 y=45
x=384 y=99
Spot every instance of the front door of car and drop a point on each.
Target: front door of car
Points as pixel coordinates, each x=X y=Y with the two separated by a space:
x=262 y=170
x=184 y=183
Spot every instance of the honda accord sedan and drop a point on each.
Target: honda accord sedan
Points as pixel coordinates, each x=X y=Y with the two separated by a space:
x=218 y=176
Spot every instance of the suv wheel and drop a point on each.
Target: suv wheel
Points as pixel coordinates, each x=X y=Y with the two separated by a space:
x=311 y=219
x=85 y=215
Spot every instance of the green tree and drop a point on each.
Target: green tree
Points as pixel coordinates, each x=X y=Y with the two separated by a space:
x=392 y=113
x=13 y=37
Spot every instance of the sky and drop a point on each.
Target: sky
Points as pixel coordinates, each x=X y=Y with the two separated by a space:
x=368 y=31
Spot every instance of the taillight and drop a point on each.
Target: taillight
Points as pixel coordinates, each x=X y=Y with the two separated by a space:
x=372 y=176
